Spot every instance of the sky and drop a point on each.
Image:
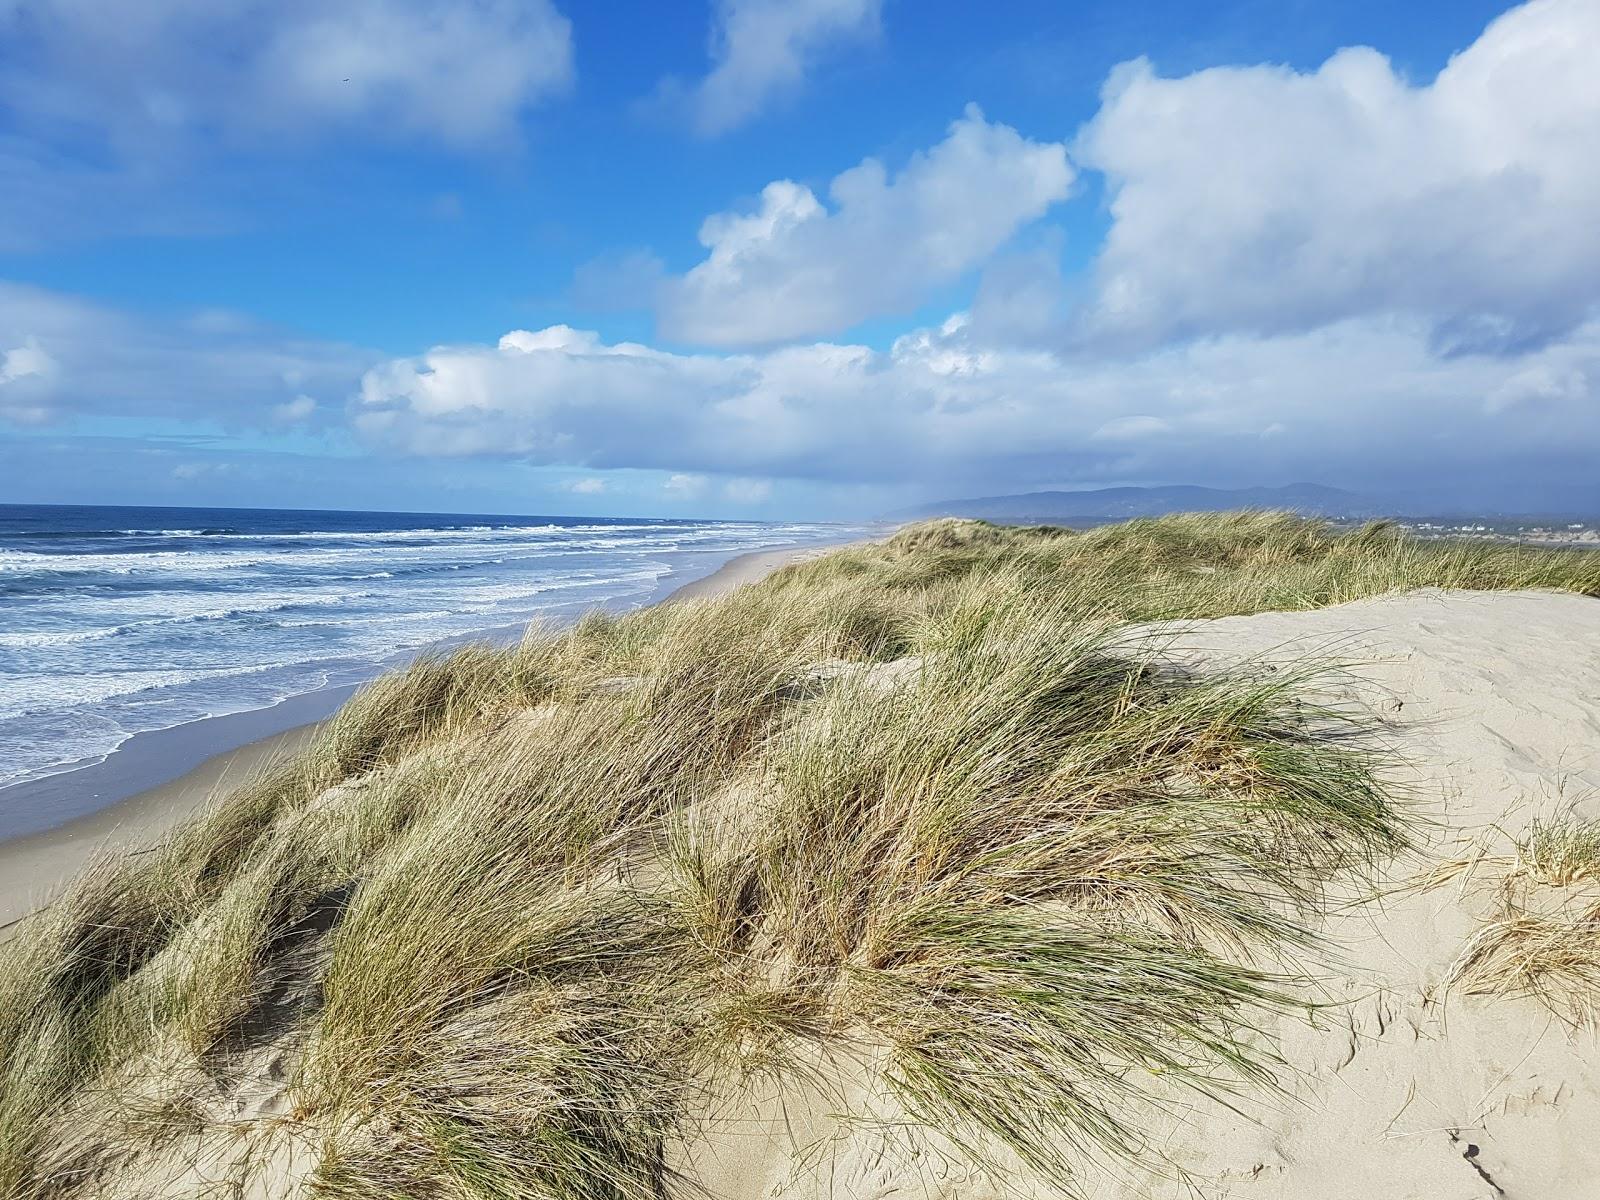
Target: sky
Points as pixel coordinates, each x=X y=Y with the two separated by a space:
x=793 y=258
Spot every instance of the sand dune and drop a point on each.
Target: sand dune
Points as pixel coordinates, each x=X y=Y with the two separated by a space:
x=1404 y=1088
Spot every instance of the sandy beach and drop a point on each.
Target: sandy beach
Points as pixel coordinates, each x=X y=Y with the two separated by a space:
x=31 y=867
x=111 y=803
x=743 y=569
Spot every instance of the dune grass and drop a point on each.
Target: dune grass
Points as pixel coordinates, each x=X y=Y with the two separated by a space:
x=1543 y=939
x=1200 y=565
x=513 y=911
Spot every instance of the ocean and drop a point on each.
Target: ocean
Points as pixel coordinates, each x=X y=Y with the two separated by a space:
x=121 y=621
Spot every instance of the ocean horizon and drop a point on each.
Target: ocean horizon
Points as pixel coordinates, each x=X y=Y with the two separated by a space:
x=117 y=621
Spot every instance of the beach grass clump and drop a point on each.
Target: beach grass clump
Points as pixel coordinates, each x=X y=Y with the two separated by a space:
x=1543 y=939
x=507 y=920
x=962 y=533
x=1038 y=869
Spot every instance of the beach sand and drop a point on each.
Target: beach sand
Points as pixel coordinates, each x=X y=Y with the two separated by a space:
x=743 y=569
x=31 y=867
x=108 y=805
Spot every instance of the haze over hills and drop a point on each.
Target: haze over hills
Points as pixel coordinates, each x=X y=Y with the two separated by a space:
x=1125 y=503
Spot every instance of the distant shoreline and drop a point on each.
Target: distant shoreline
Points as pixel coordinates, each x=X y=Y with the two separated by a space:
x=155 y=780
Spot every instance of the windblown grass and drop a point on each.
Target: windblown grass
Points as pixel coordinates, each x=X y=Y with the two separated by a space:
x=1199 y=565
x=1544 y=938
x=513 y=911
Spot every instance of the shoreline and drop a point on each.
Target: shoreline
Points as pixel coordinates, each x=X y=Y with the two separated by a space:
x=150 y=783
x=745 y=568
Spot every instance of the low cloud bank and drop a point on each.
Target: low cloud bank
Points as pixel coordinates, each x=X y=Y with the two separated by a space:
x=1355 y=400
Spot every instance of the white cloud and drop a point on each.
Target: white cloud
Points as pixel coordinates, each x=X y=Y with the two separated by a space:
x=149 y=74
x=26 y=373
x=795 y=268
x=763 y=49
x=588 y=486
x=1264 y=199
x=458 y=73
x=26 y=361
x=1361 y=399
x=298 y=409
x=110 y=114
x=78 y=358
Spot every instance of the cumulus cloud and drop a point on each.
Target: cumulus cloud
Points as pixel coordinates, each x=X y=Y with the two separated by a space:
x=762 y=50
x=164 y=69
x=1263 y=199
x=588 y=486
x=1356 y=400
x=794 y=267
x=76 y=358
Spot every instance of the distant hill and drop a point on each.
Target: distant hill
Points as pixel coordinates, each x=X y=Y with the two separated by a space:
x=1123 y=503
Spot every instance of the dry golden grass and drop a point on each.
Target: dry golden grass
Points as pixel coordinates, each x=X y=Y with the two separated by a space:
x=1543 y=939
x=513 y=909
x=1201 y=565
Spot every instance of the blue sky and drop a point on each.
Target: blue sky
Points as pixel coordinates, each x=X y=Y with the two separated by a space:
x=816 y=258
